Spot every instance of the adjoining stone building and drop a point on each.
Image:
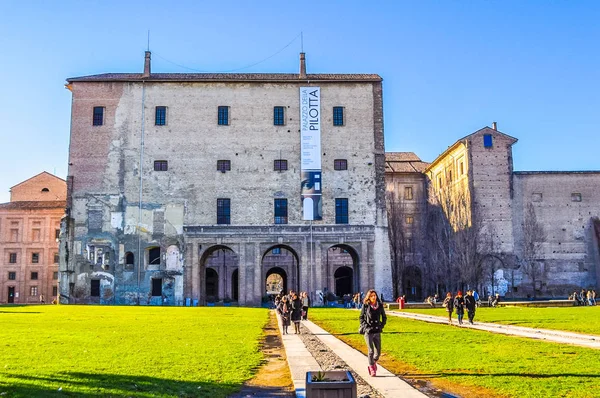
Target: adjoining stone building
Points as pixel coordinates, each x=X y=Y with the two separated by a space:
x=566 y=206
x=201 y=186
x=29 y=233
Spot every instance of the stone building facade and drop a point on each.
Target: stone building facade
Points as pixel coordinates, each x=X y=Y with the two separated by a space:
x=566 y=206
x=29 y=233
x=188 y=186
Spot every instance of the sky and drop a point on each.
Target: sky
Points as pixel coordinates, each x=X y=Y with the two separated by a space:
x=449 y=68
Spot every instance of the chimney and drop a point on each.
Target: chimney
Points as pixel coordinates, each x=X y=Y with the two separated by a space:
x=147 y=65
x=494 y=125
x=302 y=67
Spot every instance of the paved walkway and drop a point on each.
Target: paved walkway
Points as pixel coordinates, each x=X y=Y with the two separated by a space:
x=557 y=336
x=301 y=361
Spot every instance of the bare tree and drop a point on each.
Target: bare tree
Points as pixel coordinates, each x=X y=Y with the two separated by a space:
x=399 y=231
x=533 y=237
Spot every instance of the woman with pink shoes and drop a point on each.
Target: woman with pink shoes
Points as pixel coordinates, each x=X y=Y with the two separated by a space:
x=372 y=321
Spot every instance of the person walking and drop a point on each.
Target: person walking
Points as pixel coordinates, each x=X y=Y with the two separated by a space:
x=305 y=305
x=284 y=312
x=449 y=305
x=459 y=306
x=471 y=305
x=296 y=314
x=372 y=321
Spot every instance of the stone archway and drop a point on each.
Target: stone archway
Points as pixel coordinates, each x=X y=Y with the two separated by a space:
x=343 y=257
x=223 y=260
x=276 y=281
x=286 y=259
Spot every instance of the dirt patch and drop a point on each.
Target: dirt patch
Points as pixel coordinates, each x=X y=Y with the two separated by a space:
x=273 y=378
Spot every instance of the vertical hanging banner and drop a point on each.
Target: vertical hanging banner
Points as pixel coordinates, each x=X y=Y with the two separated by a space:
x=310 y=152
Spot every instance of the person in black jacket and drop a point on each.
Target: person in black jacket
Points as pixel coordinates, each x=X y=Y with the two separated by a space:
x=471 y=305
x=449 y=305
x=459 y=306
x=296 y=312
x=372 y=321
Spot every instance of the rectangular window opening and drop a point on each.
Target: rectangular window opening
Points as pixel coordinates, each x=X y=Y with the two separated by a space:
x=160 y=118
x=280 y=165
x=223 y=118
x=279 y=116
x=341 y=211
x=223 y=211
x=35 y=258
x=281 y=211
x=488 y=141
x=95 y=288
x=338 y=115
x=98 y=116
x=34 y=276
x=408 y=193
x=12 y=276
x=12 y=258
x=161 y=165
x=575 y=197
x=157 y=287
x=340 y=164
x=223 y=165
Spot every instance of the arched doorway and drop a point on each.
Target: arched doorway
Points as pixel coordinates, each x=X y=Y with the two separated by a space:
x=223 y=261
x=212 y=285
x=344 y=282
x=282 y=260
x=412 y=284
x=276 y=281
x=235 y=290
x=343 y=270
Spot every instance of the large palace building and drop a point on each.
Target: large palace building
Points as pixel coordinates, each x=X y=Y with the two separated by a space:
x=188 y=188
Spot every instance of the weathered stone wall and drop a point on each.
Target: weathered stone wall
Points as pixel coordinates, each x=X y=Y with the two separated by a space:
x=108 y=180
x=570 y=252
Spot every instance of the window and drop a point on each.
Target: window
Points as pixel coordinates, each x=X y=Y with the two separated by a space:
x=12 y=276
x=157 y=287
x=277 y=250
x=35 y=258
x=33 y=290
x=98 y=116
x=14 y=235
x=160 y=118
x=409 y=219
x=280 y=165
x=34 y=276
x=56 y=258
x=281 y=211
x=36 y=235
x=154 y=255
x=55 y=275
x=55 y=290
x=223 y=211
x=95 y=288
x=223 y=165
x=575 y=197
x=408 y=193
x=223 y=116
x=278 y=116
x=161 y=165
x=449 y=175
x=487 y=141
x=341 y=211
x=340 y=164
x=338 y=115
x=439 y=181
x=129 y=258
x=536 y=197
x=461 y=168
x=12 y=258
x=56 y=234
x=45 y=190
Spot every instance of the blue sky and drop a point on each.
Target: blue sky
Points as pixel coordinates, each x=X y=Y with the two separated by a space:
x=449 y=67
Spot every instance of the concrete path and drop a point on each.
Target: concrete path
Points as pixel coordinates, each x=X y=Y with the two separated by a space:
x=301 y=361
x=557 y=336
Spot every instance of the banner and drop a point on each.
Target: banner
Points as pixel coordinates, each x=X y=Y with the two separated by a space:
x=310 y=152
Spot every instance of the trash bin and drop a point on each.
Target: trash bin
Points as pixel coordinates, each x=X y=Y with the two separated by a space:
x=188 y=301
x=401 y=303
x=195 y=303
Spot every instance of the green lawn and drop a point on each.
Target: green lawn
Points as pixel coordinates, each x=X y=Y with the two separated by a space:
x=56 y=351
x=573 y=319
x=474 y=363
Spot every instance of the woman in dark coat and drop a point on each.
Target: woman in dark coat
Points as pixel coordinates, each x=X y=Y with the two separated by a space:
x=372 y=321
x=449 y=305
x=296 y=312
x=283 y=309
x=459 y=306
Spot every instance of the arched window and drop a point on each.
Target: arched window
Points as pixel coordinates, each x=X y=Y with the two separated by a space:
x=45 y=190
x=129 y=258
x=154 y=255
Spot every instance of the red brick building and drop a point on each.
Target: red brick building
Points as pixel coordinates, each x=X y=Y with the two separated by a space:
x=29 y=231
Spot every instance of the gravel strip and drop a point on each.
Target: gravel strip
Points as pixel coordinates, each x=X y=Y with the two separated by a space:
x=330 y=361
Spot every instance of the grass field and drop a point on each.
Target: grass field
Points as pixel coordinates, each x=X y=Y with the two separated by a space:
x=573 y=319
x=81 y=351
x=473 y=363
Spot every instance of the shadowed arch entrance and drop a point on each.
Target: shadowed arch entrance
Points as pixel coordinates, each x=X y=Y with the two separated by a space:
x=212 y=285
x=412 y=284
x=223 y=261
x=235 y=289
x=344 y=282
x=343 y=270
x=276 y=281
x=283 y=260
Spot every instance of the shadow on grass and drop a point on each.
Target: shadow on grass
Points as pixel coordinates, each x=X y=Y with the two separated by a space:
x=354 y=333
x=528 y=375
x=75 y=384
x=20 y=312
